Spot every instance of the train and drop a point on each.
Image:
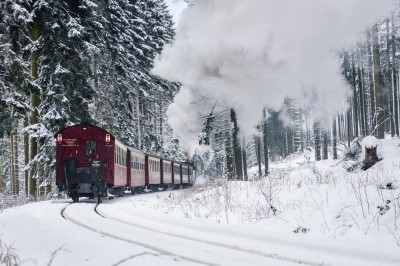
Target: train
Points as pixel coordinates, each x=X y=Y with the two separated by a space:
x=91 y=162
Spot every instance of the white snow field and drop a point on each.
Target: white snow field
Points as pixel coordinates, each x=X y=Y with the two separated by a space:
x=304 y=213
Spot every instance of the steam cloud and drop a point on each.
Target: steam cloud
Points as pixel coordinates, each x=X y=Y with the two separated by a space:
x=254 y=53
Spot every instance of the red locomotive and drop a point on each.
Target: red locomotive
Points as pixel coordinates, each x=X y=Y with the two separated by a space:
x=90 y=162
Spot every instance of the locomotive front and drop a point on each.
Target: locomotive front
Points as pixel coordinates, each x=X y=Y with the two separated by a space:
x=83 y=153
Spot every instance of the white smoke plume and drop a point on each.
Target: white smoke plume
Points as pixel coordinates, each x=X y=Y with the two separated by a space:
x=254 y=53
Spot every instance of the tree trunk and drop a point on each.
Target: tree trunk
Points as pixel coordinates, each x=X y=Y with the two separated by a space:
x=12 y=178
x=325 y=146
x=265 y=141
x=349 y=111
x=138 y=124
x=372 y=122
x=236 y=146
x=229 y=158
x=317 y=139
x=349 y=136
x=1 y=174
x=15 y=164
x=257 y=143
x=334 y=139
x=380 y=121
x=360 y=71
x=34 y=109
x=244 y=160
x=355 y=102
x=26 y=153
x=390 y=85
x=394 y=72
x=339 y=131
x=161 y=117
x=301 y=130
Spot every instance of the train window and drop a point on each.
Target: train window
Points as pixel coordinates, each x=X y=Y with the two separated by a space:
x=165 y=168
x=177 y=170
x=91 y=148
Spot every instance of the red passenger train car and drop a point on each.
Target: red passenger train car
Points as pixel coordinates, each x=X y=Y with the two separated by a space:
x=90 y=162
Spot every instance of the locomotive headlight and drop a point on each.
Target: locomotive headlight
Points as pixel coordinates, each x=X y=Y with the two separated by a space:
x=59 y=138
x=107 y=138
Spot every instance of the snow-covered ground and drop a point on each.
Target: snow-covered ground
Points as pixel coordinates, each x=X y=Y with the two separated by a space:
x=304 y=212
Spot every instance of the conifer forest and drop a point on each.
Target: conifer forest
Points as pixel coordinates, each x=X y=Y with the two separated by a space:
x=75 y=62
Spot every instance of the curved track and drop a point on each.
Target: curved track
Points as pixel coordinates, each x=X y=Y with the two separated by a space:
x=187 y=248
x=157 y=251
x=216 y=244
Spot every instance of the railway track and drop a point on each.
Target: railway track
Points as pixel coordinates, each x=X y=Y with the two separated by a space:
x=154 y=239
x=156 y=251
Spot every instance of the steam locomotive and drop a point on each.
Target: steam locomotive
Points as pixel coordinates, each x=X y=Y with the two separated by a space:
x=90 y=162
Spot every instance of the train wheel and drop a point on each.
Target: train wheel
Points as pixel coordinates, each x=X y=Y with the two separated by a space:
x=99 y=199
x=75 y=198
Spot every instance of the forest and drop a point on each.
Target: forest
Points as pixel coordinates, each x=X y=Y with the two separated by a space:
x=69 y=62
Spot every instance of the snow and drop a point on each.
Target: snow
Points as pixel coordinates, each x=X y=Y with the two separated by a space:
x=313 y=213
x=370 y=142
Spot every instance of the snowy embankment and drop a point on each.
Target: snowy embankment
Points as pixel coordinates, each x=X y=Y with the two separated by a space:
x=316 y=198
x=304 y=212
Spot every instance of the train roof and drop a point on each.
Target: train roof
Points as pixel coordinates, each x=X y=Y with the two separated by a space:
x=156 y=156
x=136 y=150
x=79 y=125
